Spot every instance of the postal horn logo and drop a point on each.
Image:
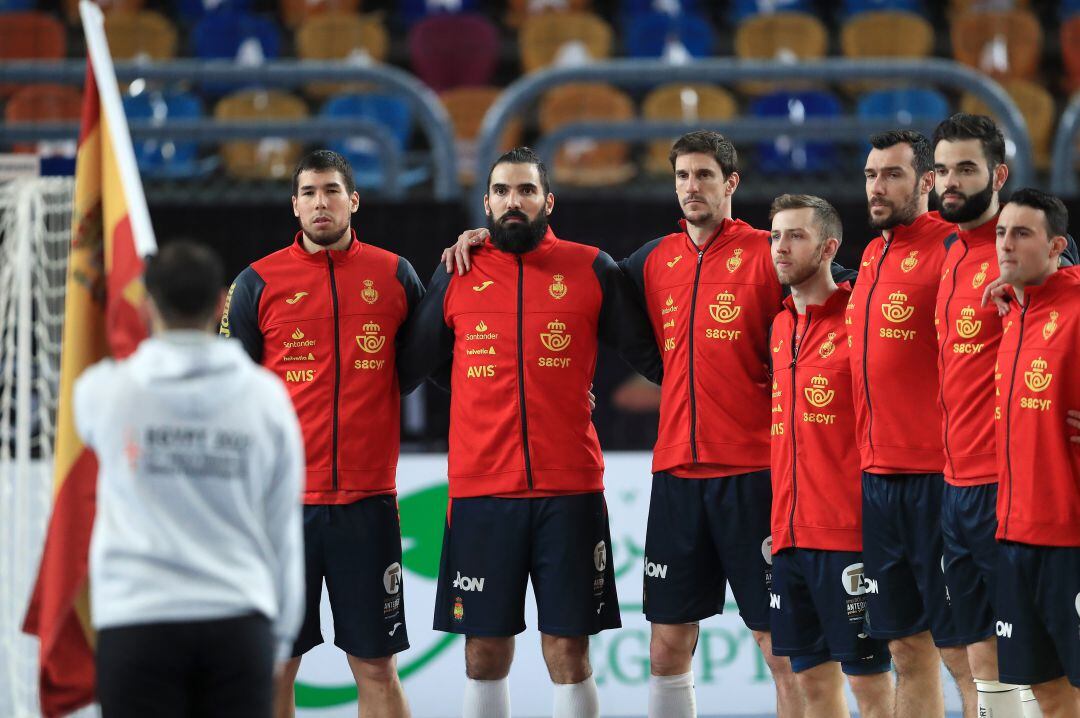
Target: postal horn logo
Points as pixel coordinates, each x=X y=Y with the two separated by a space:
x=818 y=393
x=1051 y=326
x=1037 y=379
x=910 y=261
x=980 y=276
x=827 y=347
x=369 y=294
x=967 y=326
x=555 y=339
x=723 y=311
x=735 y=260
x=557 y=289
x=896 y=309
x=371 y=341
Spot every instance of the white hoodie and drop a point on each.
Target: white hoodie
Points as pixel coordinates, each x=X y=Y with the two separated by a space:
x=201 y=466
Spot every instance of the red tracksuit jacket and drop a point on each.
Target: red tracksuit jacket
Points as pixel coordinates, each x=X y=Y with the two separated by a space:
x=520 y=333
x=968 y=337
x=894 y=349
x=817 y=493
x=1038 y=381
x=326 y=324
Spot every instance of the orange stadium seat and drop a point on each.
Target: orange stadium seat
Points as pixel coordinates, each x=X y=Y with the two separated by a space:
x=140 y=35
x=688 y=103
x=466 y=107
x=1037 y=106
x=29 y=36
x=1070 y=53
x=42 y=103
x=294 y=12
x=543 y=38
x=959 y=7
x=885 y=34
x=1005 y=45
x=785 y=36
x=518 y=10
x=270 y=157
x=587 y=162
x=341 y=36
x=71 y=8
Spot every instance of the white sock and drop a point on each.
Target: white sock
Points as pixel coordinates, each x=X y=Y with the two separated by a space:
x=576 y=700
x=486 y=699
x=998 y=700
x=672 y=696
x=1028 y=703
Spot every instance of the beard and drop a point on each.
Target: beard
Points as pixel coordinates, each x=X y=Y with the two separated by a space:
x=324 y=237
x=797 y=275
x=971 y=209
x=903 y=214
x=518 y=237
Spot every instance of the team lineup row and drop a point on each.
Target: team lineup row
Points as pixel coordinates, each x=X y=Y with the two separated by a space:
x=877 y=463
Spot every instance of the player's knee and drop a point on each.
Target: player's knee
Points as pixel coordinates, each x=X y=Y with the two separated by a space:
x=488 y=659
x=913 y=654
x=373 y=670
x=779 y=666
x=870 y=688
x=817 y=685
x=671 y=649
x=956 y=661
x=1055 y=697
x=567 y=658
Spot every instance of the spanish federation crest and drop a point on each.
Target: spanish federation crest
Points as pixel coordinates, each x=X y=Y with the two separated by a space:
x=910 y=261
x=369 y=294
x=1051 y=326
x=557 y=288
x=827 y=347
x=735 y=260
x=980 y=276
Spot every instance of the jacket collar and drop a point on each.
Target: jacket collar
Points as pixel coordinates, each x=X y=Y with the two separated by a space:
x=547 y=243
x=985 y=233
x=713 y=240
x=837 y=301
x=1066 y=279
x=902 y=233
x=337 y=256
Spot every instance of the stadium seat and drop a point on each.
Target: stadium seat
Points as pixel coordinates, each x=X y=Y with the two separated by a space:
x=17 y=5
x=741 y=10
x=44 y=103
x=787 y=37
x=785 y=154
x=166 y=159
x=269 y=157
x=192 y=11
x=1037 y=106
x=651 y=34
x=71 y=8
x=855 y=7
x=1069 y=8
x=466 y=107
x=1070 y=53
x=587 y=162
x=413 y=11
x=518 y=11
x=450 y=51
x=142 y=35
x=1005 y=45
x=29 y=36
x=545 y=38
x=392 y=112
x=904 y=105
x=232 y=34
x=360 y=39
x=295 y=12
x=887 y=34
x=686 y=103
x=669 y=7
x=959 y=7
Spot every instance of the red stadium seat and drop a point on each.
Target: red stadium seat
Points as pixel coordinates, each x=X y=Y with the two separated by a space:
x=42 y=103
x=1004 y=45
x=450 y=51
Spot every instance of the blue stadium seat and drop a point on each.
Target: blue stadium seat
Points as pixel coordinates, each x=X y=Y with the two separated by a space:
x=410 y=11
x=158 y=159
x=191 y=11
x=235 y=35
x=785 y=154
x=647 y=34
x=904 y=105
x=636 y=7
x=742 y=9
x=1069 y=8
x=392 y=112
x=854 y=7
x=17 y=5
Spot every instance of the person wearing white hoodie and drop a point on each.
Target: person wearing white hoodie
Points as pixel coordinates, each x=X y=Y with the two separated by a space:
x=196 y=559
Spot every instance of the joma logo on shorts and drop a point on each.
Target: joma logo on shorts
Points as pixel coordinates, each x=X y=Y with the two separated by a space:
x=774 y=601
x=468 y=584
x=655 y=570
x=871 y=584
x=1004 y=629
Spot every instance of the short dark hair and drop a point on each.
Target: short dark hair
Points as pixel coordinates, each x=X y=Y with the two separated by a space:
x=707 y=142
x=1057 y=216
x=963 y=126
x=922 y=152
x=523 y=156
x=185 y=280
x=324 y=161
x=826 y=216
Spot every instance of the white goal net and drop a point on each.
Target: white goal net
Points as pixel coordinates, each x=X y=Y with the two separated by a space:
x=35 y=233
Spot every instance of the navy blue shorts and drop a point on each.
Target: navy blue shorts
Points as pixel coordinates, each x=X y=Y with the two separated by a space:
x=903 y=558
x=356 y=548
x=1038 y=610
x=968 y=524
x=703 y=532
x=818 y=607
x=492 y=546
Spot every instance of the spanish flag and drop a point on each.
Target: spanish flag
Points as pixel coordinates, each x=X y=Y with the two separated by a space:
x=102 y=317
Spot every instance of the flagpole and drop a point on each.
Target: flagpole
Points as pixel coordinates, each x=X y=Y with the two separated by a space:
x=97 y=48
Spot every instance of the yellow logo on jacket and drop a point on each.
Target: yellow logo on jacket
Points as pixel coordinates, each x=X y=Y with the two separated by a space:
x=369 y=294
x=896 y=309
x=724 y=311
x=910 y=261
x=555 y=338
x=967 y=326
x=818 y=393
x=296 y=298
x=557 y=289
x=672 y=263
x=827 y=347
x=1051 y=326
x=980 y=276
x=735 y=260
x=371 y=341
x=1037 y=379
